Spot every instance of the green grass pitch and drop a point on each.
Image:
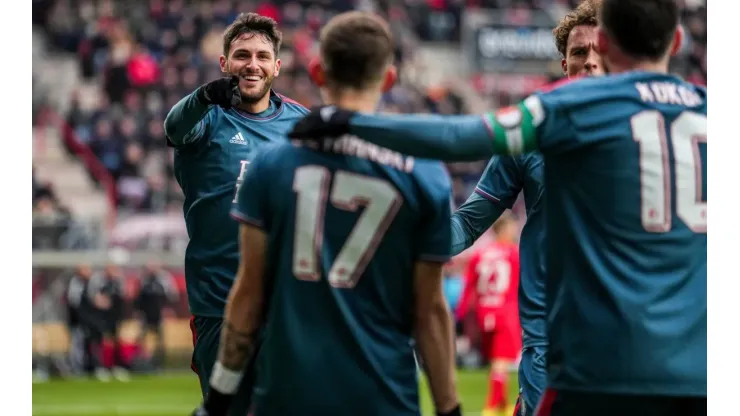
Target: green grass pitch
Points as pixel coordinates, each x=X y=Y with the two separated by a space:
x=178 y=394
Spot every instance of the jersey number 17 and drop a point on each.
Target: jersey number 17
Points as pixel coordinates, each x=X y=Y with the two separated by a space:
x=686 y=132
x=349 y=192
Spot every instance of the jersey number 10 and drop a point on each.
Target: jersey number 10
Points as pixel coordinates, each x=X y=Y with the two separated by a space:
x=686 y=132
x=349 y=192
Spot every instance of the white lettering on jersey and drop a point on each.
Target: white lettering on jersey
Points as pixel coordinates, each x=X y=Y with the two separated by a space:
x=240 y=178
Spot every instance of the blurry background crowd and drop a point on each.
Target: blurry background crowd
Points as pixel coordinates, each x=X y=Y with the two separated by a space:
x=106 y=72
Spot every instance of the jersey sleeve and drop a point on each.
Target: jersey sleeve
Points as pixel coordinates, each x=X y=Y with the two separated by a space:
x=188 y=122
x=252 y=198
x=435 y=235
x=501 y=181
x=542 y=122
x=538 y=123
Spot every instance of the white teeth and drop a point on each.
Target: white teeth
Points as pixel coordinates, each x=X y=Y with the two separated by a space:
x=252 y=78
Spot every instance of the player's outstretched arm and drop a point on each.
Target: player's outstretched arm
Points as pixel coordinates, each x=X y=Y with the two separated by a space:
x=242 y=321
x=434 y=335
x=448 y=138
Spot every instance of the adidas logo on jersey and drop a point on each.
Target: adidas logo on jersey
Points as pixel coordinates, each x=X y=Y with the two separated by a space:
x=238 y=139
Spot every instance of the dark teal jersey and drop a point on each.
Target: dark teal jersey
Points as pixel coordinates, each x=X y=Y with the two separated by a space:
x=502 y=181
x=625 y=221
x=626 y=174
x=345 y=226
x=212 y=151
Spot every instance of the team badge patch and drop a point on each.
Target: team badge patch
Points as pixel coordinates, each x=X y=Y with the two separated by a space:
x=509 y=117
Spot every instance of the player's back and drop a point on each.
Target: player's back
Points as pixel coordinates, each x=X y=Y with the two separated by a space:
x=344 y=236
x=625 y=165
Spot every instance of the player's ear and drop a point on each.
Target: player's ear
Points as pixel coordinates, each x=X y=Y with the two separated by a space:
x=391 y=75
x=677 y=41
x=564 y=65
x=222 y=62
x=316 y=71
x=277 y=67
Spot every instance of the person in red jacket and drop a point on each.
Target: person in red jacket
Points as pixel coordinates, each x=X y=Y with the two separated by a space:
x=491 y=281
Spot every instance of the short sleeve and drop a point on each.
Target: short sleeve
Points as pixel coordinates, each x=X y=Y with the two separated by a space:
x=501 y=181
x=252 y=196
x=435 y=237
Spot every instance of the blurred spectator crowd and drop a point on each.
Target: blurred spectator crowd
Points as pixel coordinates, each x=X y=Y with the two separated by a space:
x=144 y=56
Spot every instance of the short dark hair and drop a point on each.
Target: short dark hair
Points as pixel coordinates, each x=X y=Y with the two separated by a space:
x=256 y=24
x=584 y=14
x=641 y=28
x=356 y=48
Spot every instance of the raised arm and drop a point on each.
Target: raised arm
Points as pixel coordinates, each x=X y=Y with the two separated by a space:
x=187 y=121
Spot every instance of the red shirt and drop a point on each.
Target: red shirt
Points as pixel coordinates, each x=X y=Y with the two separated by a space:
x=491 y=283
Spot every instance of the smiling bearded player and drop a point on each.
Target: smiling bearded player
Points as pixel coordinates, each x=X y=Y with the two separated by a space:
x=214 y=131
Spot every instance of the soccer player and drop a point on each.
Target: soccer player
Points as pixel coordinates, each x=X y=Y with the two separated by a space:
x=342 y=254
x=214 y=131
x=491 y=281
x=625 y=166
x=497 y=190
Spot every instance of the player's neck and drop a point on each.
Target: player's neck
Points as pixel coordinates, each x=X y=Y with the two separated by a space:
x=361 y=101
x=256 y=107
x=627 y=65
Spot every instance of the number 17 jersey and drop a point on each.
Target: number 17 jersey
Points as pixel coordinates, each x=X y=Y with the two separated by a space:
x=625 y=171
x=345 y=226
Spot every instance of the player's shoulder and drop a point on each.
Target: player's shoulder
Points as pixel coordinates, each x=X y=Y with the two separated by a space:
x=291 y=107
x=633 y=86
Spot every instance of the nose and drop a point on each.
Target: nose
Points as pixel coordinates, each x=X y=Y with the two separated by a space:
x=593 y=62
x=252 y=63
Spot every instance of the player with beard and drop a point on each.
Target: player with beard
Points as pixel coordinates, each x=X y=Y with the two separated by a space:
x=214 y=131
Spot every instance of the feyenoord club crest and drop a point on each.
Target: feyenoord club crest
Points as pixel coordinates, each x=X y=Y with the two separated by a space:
x=509 y=118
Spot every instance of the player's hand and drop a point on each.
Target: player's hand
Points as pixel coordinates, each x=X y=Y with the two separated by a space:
x=457 y=411
x=322 y=122
x=223 y=92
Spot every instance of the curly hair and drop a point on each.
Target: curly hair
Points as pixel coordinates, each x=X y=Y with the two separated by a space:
x=584 y=14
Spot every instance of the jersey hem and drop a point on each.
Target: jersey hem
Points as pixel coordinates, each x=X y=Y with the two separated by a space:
x=245 y=219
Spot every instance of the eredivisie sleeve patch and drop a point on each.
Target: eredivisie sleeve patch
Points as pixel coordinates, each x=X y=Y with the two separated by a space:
x=514 y=129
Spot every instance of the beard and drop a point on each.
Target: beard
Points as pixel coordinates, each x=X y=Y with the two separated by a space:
x=254 y=95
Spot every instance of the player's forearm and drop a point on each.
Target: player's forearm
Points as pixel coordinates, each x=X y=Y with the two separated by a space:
x=447 y=138
x=435 y=344
x=471 y=220
x=183 y=122
x=240 y=330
